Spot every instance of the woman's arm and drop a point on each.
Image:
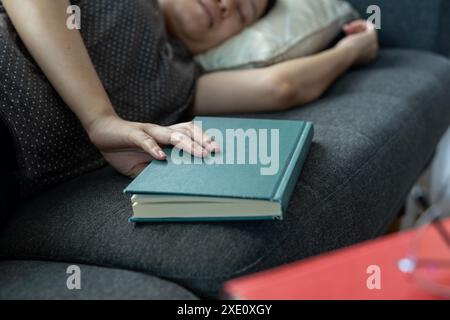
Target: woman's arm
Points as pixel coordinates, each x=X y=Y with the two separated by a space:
x=64 y=59
x=286 y=84
x=61 y=54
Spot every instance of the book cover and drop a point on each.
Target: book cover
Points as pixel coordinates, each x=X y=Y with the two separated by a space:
x=255 y=172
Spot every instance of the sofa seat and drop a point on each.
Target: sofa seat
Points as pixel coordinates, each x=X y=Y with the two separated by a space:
x=40 y=280
x=376 y=129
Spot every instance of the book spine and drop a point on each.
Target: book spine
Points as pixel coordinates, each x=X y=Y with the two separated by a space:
x=292 y=173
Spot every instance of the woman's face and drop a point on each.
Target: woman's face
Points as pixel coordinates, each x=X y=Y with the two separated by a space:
x=204 y=24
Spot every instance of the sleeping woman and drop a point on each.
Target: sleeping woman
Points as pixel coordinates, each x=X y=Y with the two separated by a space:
x=125 y=84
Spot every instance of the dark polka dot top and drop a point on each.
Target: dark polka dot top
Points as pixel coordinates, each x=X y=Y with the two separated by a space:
x=148 y=77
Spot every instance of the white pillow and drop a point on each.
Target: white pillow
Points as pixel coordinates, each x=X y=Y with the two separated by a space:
x=293 y=28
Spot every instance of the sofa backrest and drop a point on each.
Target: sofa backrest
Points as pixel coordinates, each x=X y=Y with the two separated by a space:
x=416 y=24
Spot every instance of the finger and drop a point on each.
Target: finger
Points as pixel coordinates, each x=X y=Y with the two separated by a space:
x=355 y=27
x=198 y=135
x=142 y=140
x=185 y=143
x=355 y=23
x=370 y=26
x=160 y=134
x=180 y=139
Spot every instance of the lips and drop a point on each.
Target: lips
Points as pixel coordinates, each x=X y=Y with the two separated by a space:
x=210 y=11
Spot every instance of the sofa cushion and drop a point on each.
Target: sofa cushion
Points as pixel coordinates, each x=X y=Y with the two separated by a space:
x=30 y=280
x=423 y=25
x=375 y=131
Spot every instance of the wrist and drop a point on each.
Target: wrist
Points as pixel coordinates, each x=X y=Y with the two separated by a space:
x=98 y=116
x=104 y=129
x=348 y=52
x=104 y=124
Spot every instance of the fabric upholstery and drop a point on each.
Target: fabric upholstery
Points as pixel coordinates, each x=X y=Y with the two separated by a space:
x=30 y=280
x=375 y=131
x=8 y=167
x=414 y=24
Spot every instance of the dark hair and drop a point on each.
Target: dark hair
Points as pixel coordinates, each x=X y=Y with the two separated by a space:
x=270 y=5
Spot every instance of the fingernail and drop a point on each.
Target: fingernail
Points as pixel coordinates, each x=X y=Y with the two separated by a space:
x=162 y=154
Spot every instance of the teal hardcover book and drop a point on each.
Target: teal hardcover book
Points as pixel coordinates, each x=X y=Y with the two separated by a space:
x=251 y=178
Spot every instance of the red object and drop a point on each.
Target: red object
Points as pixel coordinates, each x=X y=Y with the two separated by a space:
x=341 y=275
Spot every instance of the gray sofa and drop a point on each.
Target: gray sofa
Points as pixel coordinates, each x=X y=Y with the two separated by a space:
x=376 y=130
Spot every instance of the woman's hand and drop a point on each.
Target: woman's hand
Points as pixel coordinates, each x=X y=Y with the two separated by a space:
x=361 y=41
x=130 y=146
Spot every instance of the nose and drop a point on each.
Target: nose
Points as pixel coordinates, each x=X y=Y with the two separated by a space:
x=226 y=7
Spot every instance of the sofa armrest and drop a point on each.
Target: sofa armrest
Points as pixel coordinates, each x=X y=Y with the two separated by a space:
x=415 y=24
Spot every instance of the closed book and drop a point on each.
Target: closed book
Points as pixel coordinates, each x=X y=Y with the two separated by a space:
x=251 y=178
